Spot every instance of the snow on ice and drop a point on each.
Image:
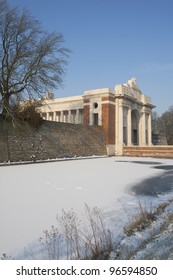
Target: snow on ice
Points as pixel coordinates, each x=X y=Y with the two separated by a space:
x=32 y=195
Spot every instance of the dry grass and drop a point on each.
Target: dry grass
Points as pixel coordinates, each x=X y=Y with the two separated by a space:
x=90 y=240
x=143 y=217
x=139 y=220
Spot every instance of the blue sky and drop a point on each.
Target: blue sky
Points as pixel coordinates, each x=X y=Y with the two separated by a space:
x=112 y=41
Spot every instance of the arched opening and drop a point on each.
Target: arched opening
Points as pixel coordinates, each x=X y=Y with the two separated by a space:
x=135 y=127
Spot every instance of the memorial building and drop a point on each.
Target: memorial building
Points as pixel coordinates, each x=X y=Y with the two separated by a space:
x=124 y=113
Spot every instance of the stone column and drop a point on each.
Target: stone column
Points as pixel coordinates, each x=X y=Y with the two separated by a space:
x=149 y=130
x=116 y=122
x=129 y=127
x=61 y=116
x=54 y=116
x=77 y=116
x=69 y=116
x=74 y=116
x=45 y=116
x=143 y=129
x=57 y=114
x=65 y=115
x=140 y=133
x=119 y=123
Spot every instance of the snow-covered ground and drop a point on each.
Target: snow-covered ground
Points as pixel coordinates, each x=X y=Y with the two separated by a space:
x=32 y=195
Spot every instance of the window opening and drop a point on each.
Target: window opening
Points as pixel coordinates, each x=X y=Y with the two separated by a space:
x=95 y=119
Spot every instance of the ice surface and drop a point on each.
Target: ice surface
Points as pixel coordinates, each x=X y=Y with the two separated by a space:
x=32 y=195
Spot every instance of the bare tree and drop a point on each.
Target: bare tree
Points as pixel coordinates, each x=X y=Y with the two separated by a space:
x=155 y=122
x=166 y=124
x=32 y=61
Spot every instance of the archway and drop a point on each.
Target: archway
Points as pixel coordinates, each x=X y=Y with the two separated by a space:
x=135 y=127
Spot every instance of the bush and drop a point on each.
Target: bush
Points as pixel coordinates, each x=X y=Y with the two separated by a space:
x=30 y=115
x=23 y=113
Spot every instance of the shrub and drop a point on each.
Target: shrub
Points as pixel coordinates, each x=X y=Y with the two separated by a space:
x=30 y=115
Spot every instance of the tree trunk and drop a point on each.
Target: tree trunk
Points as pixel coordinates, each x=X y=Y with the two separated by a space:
x=6 y=105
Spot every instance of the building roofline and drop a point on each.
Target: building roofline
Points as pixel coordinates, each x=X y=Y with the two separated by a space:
x=64 y=99
x=99 y=91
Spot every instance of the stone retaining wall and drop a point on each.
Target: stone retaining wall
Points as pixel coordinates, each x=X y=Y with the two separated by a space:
x=50 y=141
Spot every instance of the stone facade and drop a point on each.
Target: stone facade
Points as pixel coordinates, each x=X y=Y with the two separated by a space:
x=124 y=113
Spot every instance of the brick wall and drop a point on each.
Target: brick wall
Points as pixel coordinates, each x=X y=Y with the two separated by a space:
x=152 y=151
x=51 y=140
x=86 y=113
x=108 y=121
